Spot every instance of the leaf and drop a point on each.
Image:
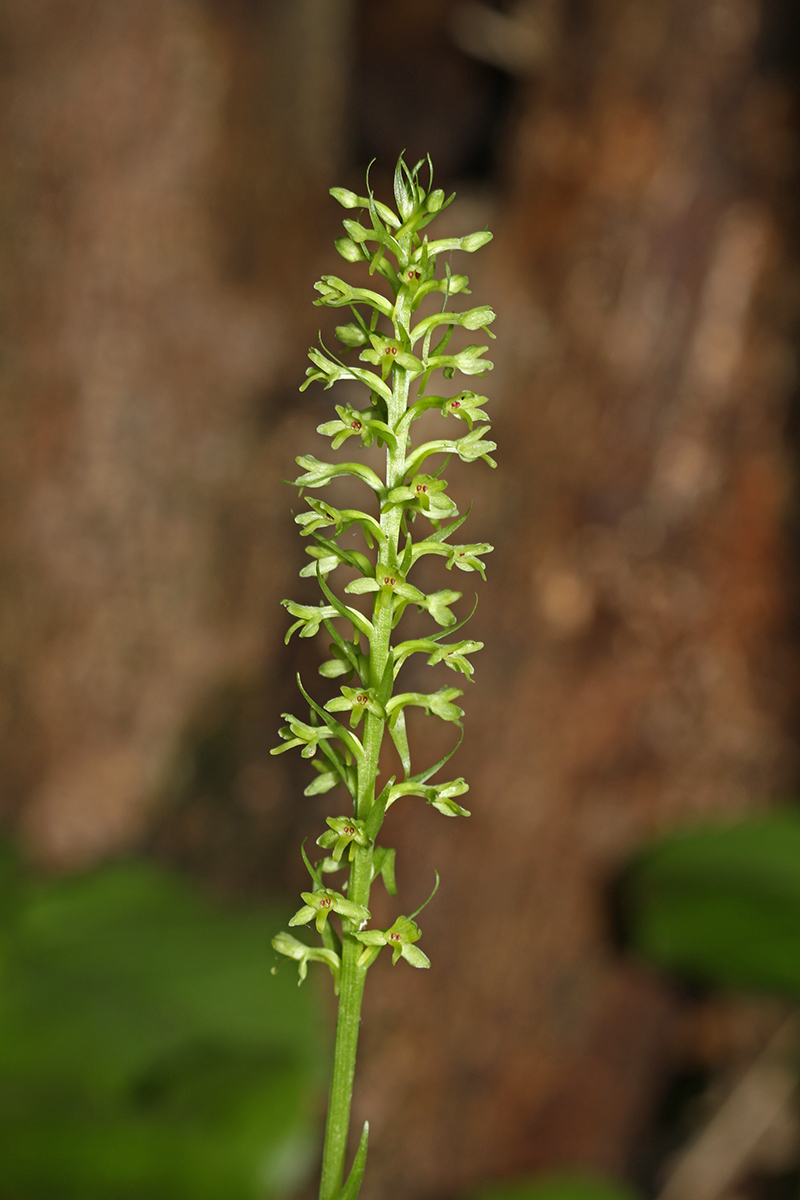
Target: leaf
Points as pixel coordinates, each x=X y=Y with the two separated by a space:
x=424 y=776
x=353 y=1184
x=383 y=864
x=356 y=619
x=398 y=734
x=721 y=905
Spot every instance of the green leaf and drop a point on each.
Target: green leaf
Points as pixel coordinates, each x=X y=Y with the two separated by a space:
x=356 y=619
x=424 y=776
x=383 y=864
x=399 y=735
x=721 y=905
x=351 y=1187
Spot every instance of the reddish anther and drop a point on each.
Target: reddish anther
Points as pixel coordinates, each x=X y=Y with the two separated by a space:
x=394 y=937
x=349 y=830
x=325 y=902
x=388 y=580
x=362 y=699
x=355 y=424
x=421 y=487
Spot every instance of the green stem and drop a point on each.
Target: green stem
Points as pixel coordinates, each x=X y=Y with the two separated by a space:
x=351 y=990
x=353 y=977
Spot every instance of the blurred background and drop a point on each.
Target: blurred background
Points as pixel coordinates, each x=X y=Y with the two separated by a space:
x=163 y=218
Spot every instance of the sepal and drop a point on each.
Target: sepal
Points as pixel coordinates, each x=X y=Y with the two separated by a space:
x=325 y=781
x=438 y=605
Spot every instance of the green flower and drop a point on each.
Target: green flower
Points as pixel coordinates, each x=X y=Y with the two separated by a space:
x=454 y=656
x=386 y=352
x=353 y=422
x=297 y=733
x=309 y=616
x=284 y=943
x=357 y=701
x=436 y=704
x=465 y=407
x=321 y=903
x=343 y=832
x=440 y=796
x=401 y=937
x=425 y=494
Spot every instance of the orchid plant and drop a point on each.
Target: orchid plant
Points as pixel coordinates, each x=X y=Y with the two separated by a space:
x=399 y=347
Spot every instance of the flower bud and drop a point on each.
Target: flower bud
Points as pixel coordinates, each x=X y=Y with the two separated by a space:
x=351 y=335
x=349 y=250
x=476 y=318
x=474 y=241
x=356 y=231
x=346 y=198
x=435 y=201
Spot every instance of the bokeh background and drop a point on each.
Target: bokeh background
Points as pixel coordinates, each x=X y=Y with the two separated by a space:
x=164 y=215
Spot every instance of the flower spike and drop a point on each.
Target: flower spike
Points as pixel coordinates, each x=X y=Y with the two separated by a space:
x=386 y=345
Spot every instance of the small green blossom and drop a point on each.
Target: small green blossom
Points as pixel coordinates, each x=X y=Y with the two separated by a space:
x=425 y=494
x=343 y=832
x=357 y=701
x=284 y=943
x=297 y=733
x=321 y=903
x=309 y=617
x=400 y=937
x=465 y=407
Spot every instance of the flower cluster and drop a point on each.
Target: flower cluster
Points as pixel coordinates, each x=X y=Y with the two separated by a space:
x=400 y=349
x=391 y=347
